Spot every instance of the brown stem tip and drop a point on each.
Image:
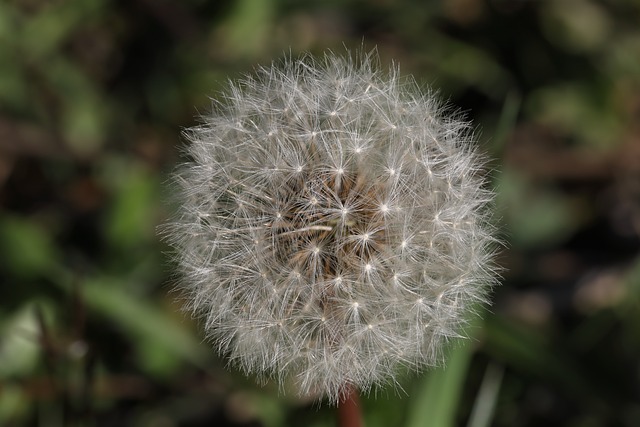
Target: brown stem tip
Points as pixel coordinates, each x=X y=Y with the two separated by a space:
x=349 y=413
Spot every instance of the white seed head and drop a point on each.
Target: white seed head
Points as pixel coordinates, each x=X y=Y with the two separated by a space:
x=333 y=226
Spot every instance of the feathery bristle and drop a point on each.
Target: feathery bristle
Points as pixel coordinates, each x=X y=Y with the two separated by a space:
x=333 y=225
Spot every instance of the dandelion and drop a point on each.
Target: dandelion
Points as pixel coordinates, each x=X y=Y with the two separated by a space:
x=333 y=226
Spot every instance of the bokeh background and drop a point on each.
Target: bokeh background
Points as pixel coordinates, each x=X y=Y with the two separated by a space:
x=94 y=95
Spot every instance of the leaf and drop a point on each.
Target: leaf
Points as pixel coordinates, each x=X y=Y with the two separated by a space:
x=142 y=319
x=436 y=399
x=484 y=406
x=27 y=249
x=523 y=349
x=130 y=221
x=19 y=346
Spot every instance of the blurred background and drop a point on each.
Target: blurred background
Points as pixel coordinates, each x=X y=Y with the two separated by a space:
x=94 y=95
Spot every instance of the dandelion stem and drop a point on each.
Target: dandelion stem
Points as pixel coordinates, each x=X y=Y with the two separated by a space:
x=349 y=413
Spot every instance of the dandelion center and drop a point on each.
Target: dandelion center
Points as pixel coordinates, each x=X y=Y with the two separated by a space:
x=345 y=244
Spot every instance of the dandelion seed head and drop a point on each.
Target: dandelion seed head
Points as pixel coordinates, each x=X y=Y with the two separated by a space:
x=378 y=222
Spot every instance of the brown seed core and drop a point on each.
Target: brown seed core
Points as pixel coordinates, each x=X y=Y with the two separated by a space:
x=329 y=224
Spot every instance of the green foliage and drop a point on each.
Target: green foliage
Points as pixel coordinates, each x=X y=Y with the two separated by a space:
x=27 y=247
x=437 y=399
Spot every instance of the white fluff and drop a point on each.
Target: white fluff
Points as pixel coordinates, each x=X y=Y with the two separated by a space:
x=333 y=225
